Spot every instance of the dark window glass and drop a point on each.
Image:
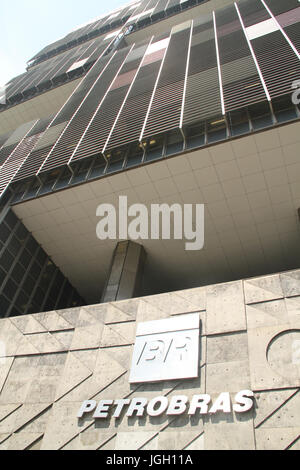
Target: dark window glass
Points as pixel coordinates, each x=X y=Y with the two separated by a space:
x=63 y=180
x=35 y=270
x=21 y=232
x=6 y=260
x=174 y=142
x=10 y=289
x=81 y=171
x=25 y=258
x=11 y=219
x=14 y=246
x=4 y=232
x=4 y=305
x=98 y=169
x=32 y=245
x=39 y=296
x=18 y=273
x=32 y=190
x=154 y=148
x=195 y=135
x=2 y=276
x=29 y=284
x=238 y=122
x=284 y=109
x=135 y=155
x=15 y=312
x=216 y=129
x=41 y=257
x=260 y=115
x=22 y=301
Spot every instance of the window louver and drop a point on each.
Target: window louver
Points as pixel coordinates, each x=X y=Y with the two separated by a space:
x=129 y=125
x=99 y=129
x=66 y=144
x=276 y=60
x=202 y=92
x=17 y=157
x=58 y=124
x=165 y=111
x=241 y=82
x=54 y=72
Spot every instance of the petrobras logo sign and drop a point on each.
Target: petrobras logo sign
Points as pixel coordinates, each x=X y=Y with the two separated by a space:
x=177 y=405
x=167 y=350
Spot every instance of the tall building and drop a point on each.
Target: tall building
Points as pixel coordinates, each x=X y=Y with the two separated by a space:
x=165 y=102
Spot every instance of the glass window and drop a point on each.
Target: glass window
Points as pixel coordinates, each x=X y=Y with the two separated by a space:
x=2 y=276
x=14 y=246
x=154 y=148
x=25 y=258
x=22 y=302
x=238 y=122
x=174 y=142
x=135 y=155
x=35 y=270
x=63 y=180
x=216 y=129
x=81 y=171
x=10 y=289
x=115 y=161
x=11 y=219
x=260 y=115
x=4 y=306
x=284 y=109
x=98 y=168
x=29 y=284
x=32 y=190
x=4 y=232
x=21 y=232
x=18 y=273
x=32 y=245
x=6 y=260
x=195 y=135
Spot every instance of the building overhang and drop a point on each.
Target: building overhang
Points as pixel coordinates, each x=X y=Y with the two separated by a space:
x=250 y=187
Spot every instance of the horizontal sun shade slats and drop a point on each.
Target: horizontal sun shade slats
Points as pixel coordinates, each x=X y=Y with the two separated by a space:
x=13 y=140
x=202 y=92
x=253 y=12
x=54 y=71
x=99 y=129
x=130 y=122
x=276 y=60
x=58 y=124
x=241 y=82
x=66 y=144
x=165 y=110
x=17 y=157
x=281 y=6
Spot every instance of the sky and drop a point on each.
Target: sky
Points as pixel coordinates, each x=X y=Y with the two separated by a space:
x=27 y=26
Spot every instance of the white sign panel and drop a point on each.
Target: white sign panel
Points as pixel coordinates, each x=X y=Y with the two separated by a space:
x=166 y=350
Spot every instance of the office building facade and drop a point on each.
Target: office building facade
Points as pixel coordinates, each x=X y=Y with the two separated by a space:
x=161 y=102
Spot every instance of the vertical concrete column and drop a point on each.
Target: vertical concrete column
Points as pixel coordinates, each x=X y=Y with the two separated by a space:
x=125 y=277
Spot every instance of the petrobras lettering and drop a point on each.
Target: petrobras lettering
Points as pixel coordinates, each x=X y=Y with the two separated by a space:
x=171 y=406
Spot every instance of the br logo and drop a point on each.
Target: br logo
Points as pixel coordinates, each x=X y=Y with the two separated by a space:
x=166 y=350
x=175 y=348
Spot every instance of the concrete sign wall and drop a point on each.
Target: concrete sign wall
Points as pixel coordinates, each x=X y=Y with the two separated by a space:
x=51 y=363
